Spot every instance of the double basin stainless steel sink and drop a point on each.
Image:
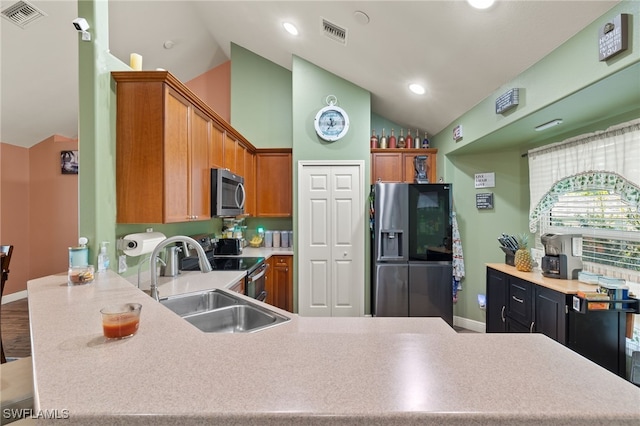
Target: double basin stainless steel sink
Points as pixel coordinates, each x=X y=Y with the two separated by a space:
x=216 y=311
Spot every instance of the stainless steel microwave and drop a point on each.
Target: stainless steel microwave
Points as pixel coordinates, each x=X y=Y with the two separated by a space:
x=227 y=193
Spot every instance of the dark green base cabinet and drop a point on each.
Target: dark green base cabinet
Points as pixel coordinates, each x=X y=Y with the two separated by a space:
x=515 y=305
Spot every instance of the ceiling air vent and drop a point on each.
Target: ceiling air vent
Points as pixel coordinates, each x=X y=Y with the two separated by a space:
x=22 y=13
x=334 y=32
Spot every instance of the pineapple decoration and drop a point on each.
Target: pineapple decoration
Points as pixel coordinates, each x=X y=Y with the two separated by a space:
x=523 y=261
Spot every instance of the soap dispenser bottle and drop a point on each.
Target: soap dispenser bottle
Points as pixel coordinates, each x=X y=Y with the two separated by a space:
x=103 y=257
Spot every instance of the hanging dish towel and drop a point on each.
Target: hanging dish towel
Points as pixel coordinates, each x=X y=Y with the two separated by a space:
x=458 y=257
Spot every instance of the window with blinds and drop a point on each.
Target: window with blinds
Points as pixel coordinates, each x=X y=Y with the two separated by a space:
x=590 y=185
x=610 y=226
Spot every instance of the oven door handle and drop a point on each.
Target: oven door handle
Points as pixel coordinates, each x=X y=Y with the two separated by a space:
x=262 y=296
x=256 y=277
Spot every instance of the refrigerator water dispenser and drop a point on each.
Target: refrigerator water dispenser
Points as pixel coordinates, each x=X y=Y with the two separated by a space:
x=391 y=244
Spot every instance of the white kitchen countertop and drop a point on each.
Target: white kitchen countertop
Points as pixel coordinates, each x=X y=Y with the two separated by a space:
x=307 y=371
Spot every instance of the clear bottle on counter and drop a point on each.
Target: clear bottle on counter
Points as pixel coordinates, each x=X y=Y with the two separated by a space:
x=103 y=257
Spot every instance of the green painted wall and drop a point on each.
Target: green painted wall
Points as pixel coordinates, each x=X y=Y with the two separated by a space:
x=264 y=93
x=311 y=86
x=568 y=69
x=480 y=228
x=260 y=99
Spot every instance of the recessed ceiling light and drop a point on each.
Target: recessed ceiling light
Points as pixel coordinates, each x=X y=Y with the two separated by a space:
x=416 y=88
x=291 y=29
x=551 y=123
x=481 y=4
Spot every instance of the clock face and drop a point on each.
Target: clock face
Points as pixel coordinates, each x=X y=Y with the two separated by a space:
x=331 y=123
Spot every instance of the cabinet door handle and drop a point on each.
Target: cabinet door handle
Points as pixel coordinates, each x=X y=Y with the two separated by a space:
x=531 y=327
x=502 y=314
x=517 y=300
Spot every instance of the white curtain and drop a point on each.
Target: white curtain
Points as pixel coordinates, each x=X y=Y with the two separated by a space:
x=615 y=150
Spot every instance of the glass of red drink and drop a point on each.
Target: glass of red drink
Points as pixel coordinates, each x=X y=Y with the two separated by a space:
x=120 y=321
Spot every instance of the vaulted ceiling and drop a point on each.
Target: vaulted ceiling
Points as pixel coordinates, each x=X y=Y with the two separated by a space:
x=461 y=55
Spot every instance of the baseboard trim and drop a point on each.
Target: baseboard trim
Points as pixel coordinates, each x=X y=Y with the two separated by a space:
x=14 y=296
x=477 y=326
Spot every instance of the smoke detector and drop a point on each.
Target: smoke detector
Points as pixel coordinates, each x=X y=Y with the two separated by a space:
x=22 y=13
x=334 y=31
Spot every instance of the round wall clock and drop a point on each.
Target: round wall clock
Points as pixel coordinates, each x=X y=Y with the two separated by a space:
x=331 y=122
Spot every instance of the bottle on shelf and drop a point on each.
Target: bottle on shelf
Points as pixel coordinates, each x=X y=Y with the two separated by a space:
x=409 y=139
x=416 y=142
x=425 y=141
x=401 y=140
x=392 y=140
x=383 y=140
x=374 y=139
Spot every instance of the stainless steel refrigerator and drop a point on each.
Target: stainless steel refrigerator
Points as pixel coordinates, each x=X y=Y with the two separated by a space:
x=411 y=250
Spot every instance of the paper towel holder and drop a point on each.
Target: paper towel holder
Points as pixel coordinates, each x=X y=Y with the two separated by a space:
x=134 y=244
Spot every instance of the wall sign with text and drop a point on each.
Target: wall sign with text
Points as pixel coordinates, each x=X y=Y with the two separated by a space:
x=485 y=180
x=613 y=37
x=484 y=200
x=507 y=101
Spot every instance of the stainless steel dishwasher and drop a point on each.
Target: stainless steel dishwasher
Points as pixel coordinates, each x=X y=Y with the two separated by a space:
x=255 y=284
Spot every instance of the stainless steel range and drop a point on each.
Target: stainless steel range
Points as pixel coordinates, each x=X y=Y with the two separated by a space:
x=256 y=267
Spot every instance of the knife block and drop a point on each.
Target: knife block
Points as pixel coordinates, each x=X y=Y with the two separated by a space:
x=509 y=256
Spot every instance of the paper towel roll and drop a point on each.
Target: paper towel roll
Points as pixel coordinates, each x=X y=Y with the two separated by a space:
x=142 y=243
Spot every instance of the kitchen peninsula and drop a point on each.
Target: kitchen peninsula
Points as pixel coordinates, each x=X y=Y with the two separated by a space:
x=305 y=371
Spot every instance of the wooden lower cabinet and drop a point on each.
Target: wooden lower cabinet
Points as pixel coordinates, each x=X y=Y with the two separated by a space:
x=279 y=282
x=396 y=165
x=238 y=287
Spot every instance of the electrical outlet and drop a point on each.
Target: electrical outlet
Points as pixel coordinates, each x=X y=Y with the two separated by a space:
x=122 y=263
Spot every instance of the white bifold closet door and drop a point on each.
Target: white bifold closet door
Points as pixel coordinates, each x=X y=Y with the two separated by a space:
x=331 y=246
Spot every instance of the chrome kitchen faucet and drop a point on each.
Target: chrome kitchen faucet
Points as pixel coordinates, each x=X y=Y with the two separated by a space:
x=205 y=266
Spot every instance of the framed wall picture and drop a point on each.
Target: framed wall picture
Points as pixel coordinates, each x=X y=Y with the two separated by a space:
x=69 y=162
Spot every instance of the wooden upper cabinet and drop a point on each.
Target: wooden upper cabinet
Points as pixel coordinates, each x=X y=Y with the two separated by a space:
x=216 y=153
x=200 y=170
x=250 y=182
x=230 y=146
x=396 y=165
x=410 y=171
x=386 y=167
x=167 y=141
x=274 y=183
x=176 y=158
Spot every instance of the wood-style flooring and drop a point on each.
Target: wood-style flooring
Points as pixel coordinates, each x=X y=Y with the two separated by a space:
x=14 y=323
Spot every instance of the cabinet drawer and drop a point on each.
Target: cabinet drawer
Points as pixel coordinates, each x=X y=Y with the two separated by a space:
x=520 y=301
